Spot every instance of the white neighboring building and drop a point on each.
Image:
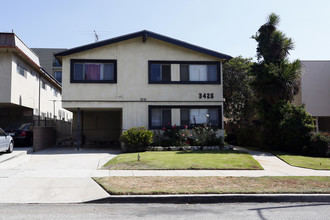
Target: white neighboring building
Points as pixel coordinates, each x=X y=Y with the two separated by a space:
x=27 y=92
x=315 y=92
x=141 y=79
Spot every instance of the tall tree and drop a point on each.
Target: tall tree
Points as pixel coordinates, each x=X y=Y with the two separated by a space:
x=237 y=92
x=276 y=81
x=275 y=78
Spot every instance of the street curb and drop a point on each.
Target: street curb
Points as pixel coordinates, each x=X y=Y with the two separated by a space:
x=216 y=198
x=22 y=153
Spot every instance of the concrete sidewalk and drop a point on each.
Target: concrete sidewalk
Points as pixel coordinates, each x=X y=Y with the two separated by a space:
x=63 y=175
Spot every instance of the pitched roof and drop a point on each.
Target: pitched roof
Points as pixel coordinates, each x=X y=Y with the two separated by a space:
x=144 y=34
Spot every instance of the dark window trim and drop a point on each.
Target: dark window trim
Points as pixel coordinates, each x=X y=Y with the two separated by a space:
x=114 y=62
x=150 y=107
x=184 y=62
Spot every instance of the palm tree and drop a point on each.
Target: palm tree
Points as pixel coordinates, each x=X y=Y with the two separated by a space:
x=275 y=78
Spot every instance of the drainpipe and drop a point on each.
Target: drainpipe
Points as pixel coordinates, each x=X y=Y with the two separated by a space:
x=317 y=124
x=78 y=134
x=39 y=112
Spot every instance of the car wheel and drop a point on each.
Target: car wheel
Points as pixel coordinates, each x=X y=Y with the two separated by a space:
x=10 y=148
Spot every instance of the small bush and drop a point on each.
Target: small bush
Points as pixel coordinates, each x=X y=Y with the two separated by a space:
x=136 y=139
x=319 y=145
x=206 y=136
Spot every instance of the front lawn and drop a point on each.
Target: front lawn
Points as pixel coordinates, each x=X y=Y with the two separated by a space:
x=318 y=163
x=183 y=160
x=213 y=185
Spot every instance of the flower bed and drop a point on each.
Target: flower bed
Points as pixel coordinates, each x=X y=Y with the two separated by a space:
x=188 y=148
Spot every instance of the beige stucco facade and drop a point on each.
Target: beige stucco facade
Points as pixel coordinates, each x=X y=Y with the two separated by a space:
x=133 y=94
x=20 y=79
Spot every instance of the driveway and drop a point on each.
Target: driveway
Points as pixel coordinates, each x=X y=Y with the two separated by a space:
x=55 y=175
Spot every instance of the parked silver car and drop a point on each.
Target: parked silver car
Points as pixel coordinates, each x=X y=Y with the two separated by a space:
x=6 y=142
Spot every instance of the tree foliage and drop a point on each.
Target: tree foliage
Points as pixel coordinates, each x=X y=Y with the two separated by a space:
x=237 y=92
x=275 y=82
x=275 y=77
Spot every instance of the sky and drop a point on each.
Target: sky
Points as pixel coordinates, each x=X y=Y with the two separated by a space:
x=223 y=26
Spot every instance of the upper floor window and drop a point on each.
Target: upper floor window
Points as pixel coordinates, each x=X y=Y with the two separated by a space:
x=184 y=72
x=56 y=63
x=93 y=71
x=58 y=76
x=43 y=84
x=160 y=72
x=21 y=70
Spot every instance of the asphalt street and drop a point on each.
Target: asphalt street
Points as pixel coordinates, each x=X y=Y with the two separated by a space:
x=262 y=211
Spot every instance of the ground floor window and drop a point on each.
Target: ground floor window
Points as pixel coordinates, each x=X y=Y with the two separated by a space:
x=160 y=117
x=165 y=116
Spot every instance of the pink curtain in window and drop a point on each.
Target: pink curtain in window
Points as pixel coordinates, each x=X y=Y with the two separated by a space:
x=93 y=71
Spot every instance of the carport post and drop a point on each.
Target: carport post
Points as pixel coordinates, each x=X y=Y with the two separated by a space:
x=78 y=122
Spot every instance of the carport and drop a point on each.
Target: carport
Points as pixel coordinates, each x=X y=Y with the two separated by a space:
x=97 y=127
x=11 y=113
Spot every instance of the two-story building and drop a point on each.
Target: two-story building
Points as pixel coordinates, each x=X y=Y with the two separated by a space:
x=140 y=79
x=314 y=92
x=27 y=92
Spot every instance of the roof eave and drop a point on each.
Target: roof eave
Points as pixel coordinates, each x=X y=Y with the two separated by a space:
x=144 y=34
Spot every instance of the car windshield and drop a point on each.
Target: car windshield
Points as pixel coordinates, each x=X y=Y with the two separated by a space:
x=16 y=126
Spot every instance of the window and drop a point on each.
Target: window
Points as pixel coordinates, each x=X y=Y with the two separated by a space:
x=58 y=76
x=56 y=63
x=160 y=72
x=21 y=70
x=188 y=72
x=161 y=116
x=94 y=71
x=198 y=73
x=197 y=116
x=2 y=133
x=43 y=84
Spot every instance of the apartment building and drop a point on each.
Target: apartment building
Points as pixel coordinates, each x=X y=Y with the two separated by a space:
x=27 y=92
x=141 y=79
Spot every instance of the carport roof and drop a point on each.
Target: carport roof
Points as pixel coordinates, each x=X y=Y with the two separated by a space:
x=144 y=34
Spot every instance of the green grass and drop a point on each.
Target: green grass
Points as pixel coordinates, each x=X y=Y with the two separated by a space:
x=213 y=185
x=317 y=163
x=183 y=160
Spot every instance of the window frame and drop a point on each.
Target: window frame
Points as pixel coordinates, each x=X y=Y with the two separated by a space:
x=58 y=71
x=103 y=61
x=217 y=63
x=170 y=107
x=19 y=68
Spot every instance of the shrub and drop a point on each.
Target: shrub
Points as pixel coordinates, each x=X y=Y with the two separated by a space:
x=319 y=145
x=199 y=136
x=172 y=136
x=206 y=136
x=287 y=127
x=136 y=139
x=248 y=136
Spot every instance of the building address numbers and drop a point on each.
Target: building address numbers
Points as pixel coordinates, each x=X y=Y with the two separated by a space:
x=206 y=95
